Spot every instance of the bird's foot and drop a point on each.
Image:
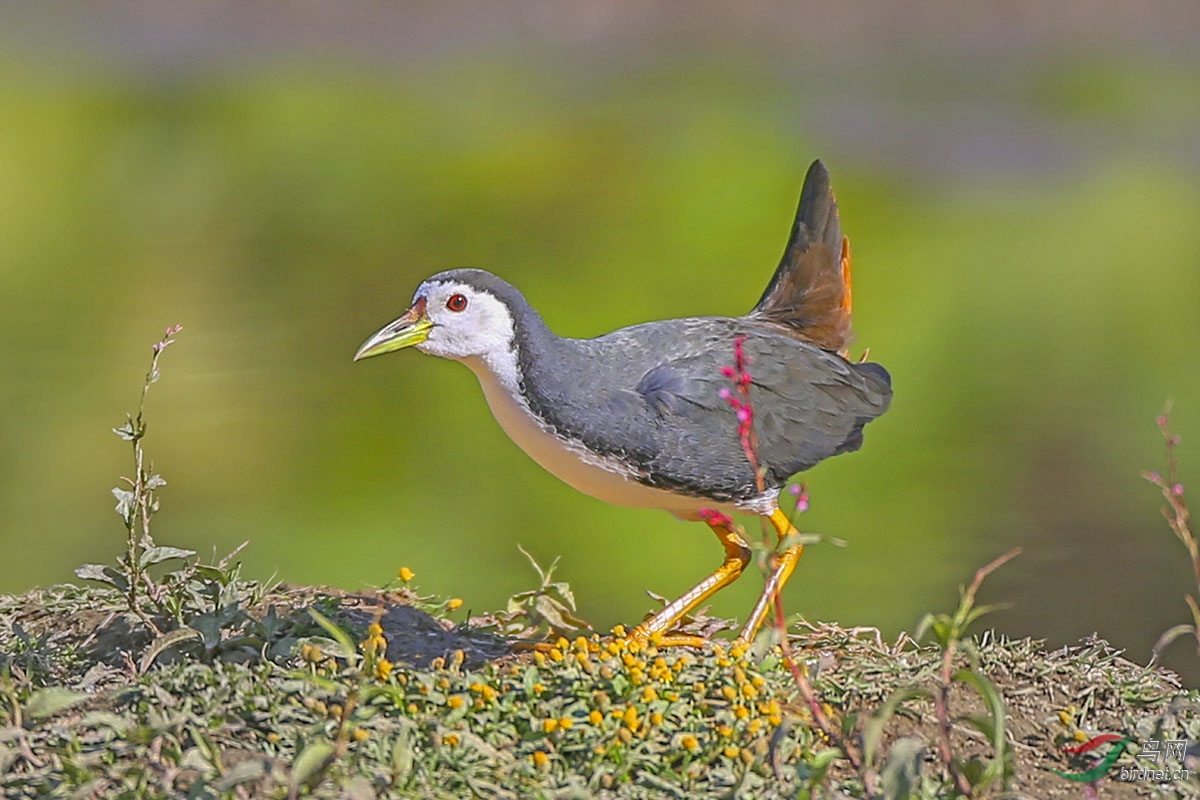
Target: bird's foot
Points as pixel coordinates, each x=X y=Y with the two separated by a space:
x=644 y=637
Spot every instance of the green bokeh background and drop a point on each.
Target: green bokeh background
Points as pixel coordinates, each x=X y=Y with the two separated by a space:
x=1021 y=190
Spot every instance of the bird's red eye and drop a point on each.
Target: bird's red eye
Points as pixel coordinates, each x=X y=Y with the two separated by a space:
x=457 y=302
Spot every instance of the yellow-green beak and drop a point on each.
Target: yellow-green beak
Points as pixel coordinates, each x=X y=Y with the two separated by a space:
x=410 y=329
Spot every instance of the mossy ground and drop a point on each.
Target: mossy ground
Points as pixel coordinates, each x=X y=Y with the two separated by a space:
x=95 y=704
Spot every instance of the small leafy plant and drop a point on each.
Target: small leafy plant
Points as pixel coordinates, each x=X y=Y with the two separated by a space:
x=137 y=503
x=1179 y=519
x=203 y=608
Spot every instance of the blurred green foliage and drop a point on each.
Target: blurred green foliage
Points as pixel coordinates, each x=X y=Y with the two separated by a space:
x=1034 y=321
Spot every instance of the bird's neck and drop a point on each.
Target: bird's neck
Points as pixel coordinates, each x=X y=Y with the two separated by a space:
x=533 y=348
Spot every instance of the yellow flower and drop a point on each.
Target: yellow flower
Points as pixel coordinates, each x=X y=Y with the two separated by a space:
x=456 y=701
x=454 y=603
x=595 y=717
x=729 y=693
x=548 y=725
x=731 y=752
x=374 y=629
x=565 y=723
x=630 y=717
x=273 y=737
x=741 y=712
x=619 y=631
x=361 y=734
x=649 y=695
x=406 y=574
x=1064 y=717
x=656 y=718
x=383 y=668
x=489 y=694
x=725 y=731
x=540 y=758
x=689 y=742
x=451 y=739
x=1080 y=736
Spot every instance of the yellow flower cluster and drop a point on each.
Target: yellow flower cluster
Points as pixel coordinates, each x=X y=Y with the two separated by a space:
x=732 y=697
x=374 y=648
x=1067 y=717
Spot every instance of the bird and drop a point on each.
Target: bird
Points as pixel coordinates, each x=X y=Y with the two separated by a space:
x=650 y=415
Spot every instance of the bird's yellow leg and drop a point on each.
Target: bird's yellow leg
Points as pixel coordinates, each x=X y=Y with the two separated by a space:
x=737 y=556
x=778 y=577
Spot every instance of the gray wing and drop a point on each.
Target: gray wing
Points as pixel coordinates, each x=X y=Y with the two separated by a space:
x=667 y=418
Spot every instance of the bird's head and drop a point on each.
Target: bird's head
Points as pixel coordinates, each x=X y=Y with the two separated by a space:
x=458 y=314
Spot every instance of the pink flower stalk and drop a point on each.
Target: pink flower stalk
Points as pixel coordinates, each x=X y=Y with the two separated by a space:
x=161 y=344
x=738 y=399
x=800 y=492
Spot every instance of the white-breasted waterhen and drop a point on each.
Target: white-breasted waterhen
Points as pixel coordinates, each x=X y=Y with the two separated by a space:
x=637 y=417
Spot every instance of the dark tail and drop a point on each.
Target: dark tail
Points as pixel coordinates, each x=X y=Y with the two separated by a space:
x=810 y=290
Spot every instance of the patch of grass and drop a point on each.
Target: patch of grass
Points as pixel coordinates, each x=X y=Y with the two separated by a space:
x=594 y=715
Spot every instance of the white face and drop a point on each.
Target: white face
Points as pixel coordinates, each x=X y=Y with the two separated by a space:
x=467 y=322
